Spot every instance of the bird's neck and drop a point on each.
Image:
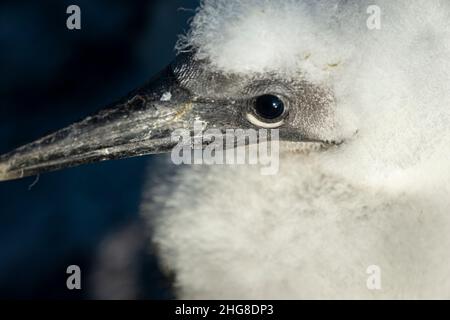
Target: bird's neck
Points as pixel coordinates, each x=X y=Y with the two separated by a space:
x=234 y=233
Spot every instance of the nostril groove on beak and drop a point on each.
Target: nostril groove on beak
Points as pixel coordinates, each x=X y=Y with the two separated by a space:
x=137 y=102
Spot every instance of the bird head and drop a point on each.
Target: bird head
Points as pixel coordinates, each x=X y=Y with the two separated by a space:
x=312 y=70
x=185 y=92
x=192 y=88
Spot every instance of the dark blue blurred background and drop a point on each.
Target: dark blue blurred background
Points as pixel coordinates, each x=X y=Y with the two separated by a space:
x=49 y=77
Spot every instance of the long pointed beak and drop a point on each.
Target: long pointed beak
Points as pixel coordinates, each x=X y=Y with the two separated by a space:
x=137 y=125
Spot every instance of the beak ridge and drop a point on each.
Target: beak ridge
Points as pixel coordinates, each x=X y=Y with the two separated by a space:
x=138 y=125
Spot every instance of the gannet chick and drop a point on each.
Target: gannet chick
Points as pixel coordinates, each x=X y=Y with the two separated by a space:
x=363 y=177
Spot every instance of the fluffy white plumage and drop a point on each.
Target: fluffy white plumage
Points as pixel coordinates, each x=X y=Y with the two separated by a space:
x=381 y=198
x=233 y=233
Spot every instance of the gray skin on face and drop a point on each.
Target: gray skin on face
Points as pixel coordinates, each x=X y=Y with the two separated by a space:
x=142 y=122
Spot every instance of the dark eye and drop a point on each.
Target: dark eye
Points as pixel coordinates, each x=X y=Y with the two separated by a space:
x=269 y=106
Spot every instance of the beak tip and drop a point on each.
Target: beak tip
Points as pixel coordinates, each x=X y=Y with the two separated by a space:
x=5 y=173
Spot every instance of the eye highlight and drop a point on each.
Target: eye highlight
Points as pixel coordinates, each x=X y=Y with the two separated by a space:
x=269 y=107
x=267 y=111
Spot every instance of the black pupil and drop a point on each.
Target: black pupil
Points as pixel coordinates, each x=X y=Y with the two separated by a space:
x=269 y=106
